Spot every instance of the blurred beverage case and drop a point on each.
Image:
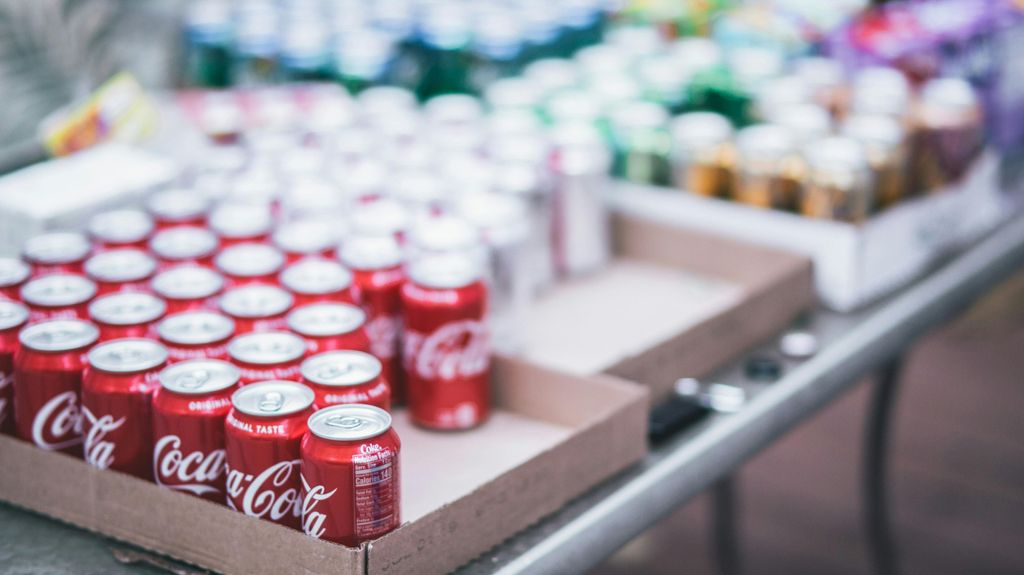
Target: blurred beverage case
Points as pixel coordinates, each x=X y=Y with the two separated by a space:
x=702 y=154
x=257 y=43
x=768 y=171
x=504 y=226
x=642 y=143
x=497 y=49
x=208 y=38
x=580 y=165
x=305 y=52
x=444 y=44
x=949 y=133
x=884 y=141
x=362 y=59
x=838 y=183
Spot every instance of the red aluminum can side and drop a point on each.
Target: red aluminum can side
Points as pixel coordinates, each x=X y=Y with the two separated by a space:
x=188 y=288
x=121 y=270
x=183 y=246
x=48 y=381
x=117 y=418
x=346 y=377
x=121 y=229
x=315 y=280
x=330 y=326
x=350 y=475
x=13 y=316
x=446 y=342
x=247 y=264
x=58 y=296
x=189 y=409
x=56 y=253
x=378 y=275
x=263 y=436
x=127 y=314
x=193 y=335
x=256 y=308
x=268 y=355
x=13 y=274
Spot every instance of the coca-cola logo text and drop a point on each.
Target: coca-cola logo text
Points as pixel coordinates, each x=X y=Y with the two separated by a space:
x=383 y=332
x=99 y=452
x=458 y=349
x=313 y=520
x=58 y=425
x=192 y=472
x=272 y=492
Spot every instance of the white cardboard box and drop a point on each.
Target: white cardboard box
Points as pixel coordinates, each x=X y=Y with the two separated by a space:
x=853 y=264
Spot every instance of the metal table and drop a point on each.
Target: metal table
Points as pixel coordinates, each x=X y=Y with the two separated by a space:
x=590 y=529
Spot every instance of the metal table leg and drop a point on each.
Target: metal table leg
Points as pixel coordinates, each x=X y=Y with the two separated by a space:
x=725 y=527
x=881 y=546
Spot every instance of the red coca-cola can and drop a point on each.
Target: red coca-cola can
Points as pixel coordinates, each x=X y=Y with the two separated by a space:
x=117 y=392
x=13 y=274
x=239 y=223
x=267 y=355
x=128 y=314
x=350 y=475
x=13 y=316
x=376 y=264
x=192 y=335
x=178 y=208
x=246 y=264
x=264 y=431
x=48 y=381
x=188 y=288
x=56 y=253
x=302 y=239
x=121 y=229
x=446 y=342
x=330 y=326
x=339 y=377
x=257 y=308
x=189 y=409
x=315 y=280
x=58 y=296
x=121 y=270
x=185 y=245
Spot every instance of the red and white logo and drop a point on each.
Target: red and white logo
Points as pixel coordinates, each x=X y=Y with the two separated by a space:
x=383 y=334
x=99 y=452
x=58 y=425
x=6 y=379
x=192 y=472
x=264 y=495
x=456 y=350
x=312 y=520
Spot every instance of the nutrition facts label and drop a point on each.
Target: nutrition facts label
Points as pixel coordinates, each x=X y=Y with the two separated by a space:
x=375 y=493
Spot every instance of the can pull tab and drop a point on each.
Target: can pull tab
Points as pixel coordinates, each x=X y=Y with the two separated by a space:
x=194 y=380
x=271 y=401
x=344 y=422
x=334 y=370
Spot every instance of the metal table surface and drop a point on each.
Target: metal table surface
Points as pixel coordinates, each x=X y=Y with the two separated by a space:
x=591 y=528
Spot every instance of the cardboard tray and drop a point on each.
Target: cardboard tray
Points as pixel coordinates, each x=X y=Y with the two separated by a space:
x=673 y=303
x=551 y=437
x=854 y=264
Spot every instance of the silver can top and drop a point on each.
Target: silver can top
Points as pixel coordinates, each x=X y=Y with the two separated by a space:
x=444 y=233
x=341 y=368
x=638 y=115
x=806 y=122
x=127 y=308
x=254 y=301
x=370 y=252
x=12 y=314
x=241 y=220
x=316 y=276
x=881 y=90
x=449 y=270
x=384 y=99
x=352 y=422
x=836 y=153
x=121 y=226
x=187 y=282
x=177 y=205
x=700 y=130
x=128 y=355
x=575 y=106
x=874 y=131
x=580 y=150
x=381 y=217
x=325 y=319
x=306 y=236
x=451 y=109
x=266 y=348
x=57 y=248
x=764 y=142
x=272 y=398
x=513 y=93
x=502 y=219
x=120 y=265
x=195 y=328
x=552 y=74
x=250 y=260
x=59 y=335
x=199 y=377
x=13 y=271
x=183 y=243
x=58 y=290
